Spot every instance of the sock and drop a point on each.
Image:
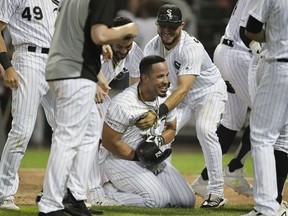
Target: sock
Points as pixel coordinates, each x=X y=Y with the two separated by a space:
x=281 y=159
x=236 y=163
x=226 y=138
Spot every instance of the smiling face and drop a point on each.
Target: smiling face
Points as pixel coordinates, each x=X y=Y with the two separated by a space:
x=121 y=48
x=169 y=34
x=157 y=82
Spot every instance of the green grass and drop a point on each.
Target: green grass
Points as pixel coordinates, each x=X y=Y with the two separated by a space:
x=187 y=163
x=131 y=211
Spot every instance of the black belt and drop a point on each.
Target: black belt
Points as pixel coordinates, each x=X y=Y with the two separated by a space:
x=228 y=42
x=34 y=48
x=282 y=60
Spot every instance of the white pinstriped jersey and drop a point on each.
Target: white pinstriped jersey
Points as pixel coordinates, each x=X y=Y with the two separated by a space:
x=28 y=20
x=274 y=14
x=187 y=57
x=248 y=4
x=125 y=109
x=130 y=64
x=232 y=28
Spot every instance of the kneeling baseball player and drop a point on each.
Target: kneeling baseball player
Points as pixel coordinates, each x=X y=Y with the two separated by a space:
x=135 y=165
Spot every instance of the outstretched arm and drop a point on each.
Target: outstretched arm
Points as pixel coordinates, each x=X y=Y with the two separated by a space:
x=11 y=78
x=102 y=34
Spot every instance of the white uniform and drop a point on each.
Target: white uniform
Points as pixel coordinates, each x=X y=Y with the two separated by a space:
x=138 y=186
x=31 y=25
x=128 y=66
x=269 y=113
x=233 y=58
x=206 y=98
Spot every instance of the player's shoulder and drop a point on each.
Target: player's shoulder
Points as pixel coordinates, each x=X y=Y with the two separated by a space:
x=189 y=41
x=127 y=97
x=152 y=45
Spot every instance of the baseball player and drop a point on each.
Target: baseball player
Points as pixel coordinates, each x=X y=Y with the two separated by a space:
x=233 y=58
x=134 y=183
x=31 y=25
x=268 y=116
x=126 y=58
x=197 y=87
x=72 y=71
x=280 y=151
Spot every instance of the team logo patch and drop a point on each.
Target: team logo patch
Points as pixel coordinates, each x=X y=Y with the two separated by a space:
x=177 y=65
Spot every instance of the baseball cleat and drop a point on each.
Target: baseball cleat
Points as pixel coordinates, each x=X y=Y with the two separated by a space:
x=77 y=207
x=200 y=186
x=9 y=204
x=105 y=201
x=254 y=213
x=213 y=201
x=39 y=196
x=237 y=182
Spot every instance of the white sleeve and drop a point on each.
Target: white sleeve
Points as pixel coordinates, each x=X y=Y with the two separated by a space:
x=117 y=117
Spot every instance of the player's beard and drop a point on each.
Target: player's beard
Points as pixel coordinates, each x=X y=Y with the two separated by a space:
x=173 y=42
x=118 y=57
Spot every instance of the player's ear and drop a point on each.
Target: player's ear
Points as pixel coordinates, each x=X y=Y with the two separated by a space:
x=144 y=78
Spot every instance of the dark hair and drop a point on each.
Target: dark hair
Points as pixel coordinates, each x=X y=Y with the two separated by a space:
x=120 y=21
x=147 y=62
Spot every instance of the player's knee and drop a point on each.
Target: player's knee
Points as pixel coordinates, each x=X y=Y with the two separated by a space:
x=188 y=199
x=158 y=199
x=205 y=133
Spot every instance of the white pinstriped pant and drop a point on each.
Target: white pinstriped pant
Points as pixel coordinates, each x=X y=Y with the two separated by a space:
x=33 y=90
x=140 y=187
x=208 y=110
x=268 y=118
x=73 y=142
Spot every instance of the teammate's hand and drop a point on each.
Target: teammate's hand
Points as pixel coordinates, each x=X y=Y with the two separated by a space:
x=147 y=120
x=100 y=94
x=255 y=48
x=11 y=78
x=103 y=83
x=107 y=52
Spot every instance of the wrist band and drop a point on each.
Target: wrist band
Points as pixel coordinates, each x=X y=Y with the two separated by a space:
x=163 y=110
x=4 y=60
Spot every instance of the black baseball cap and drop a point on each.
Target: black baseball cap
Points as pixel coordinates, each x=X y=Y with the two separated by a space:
x=169 y=14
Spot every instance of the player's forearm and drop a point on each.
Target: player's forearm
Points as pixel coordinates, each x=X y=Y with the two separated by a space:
x=176 y=98
x=119 y=148
x=168 y=135
x=259 y=37
x=102 y=34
